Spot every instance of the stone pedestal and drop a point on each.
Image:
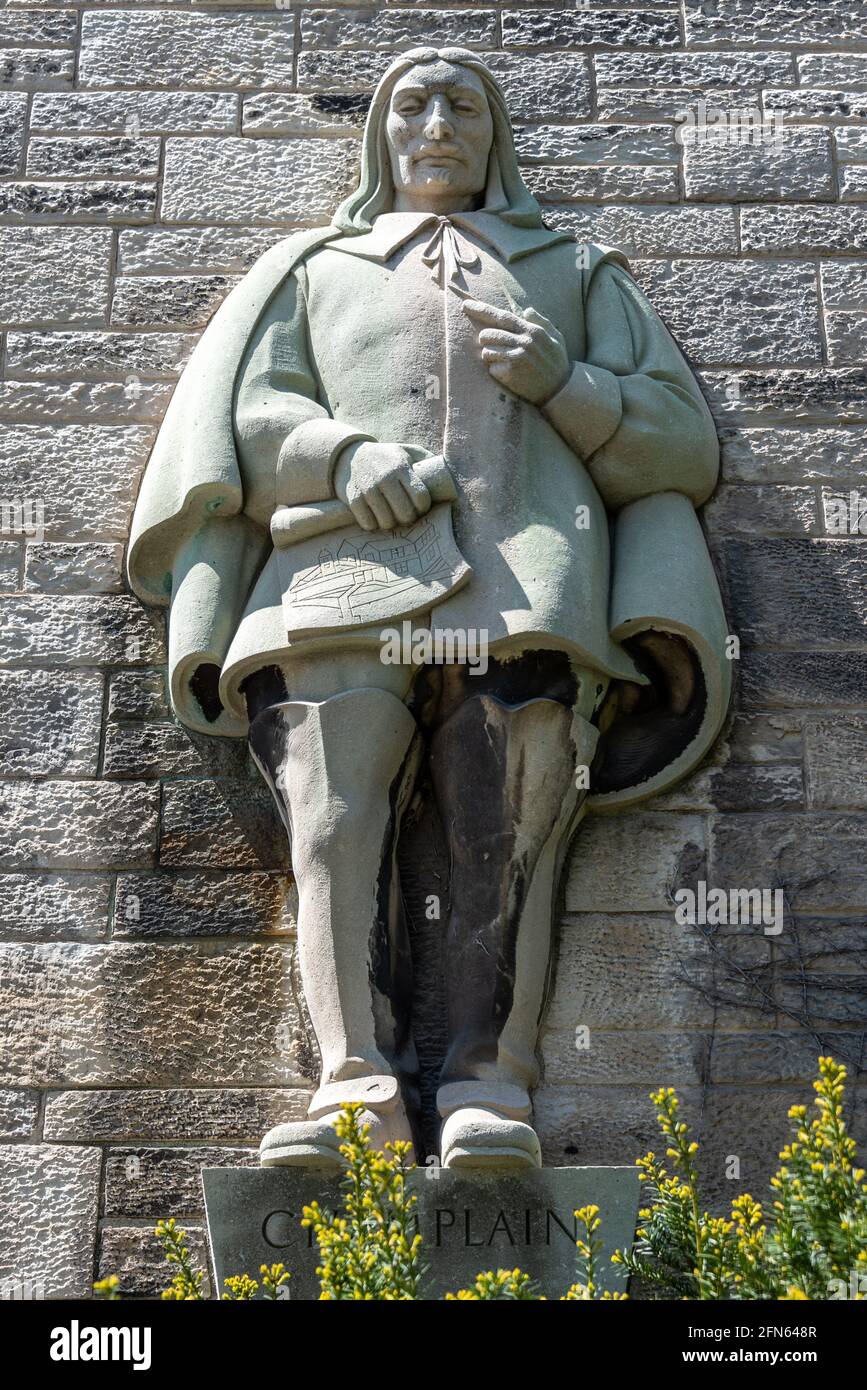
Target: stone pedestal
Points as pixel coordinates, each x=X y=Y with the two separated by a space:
x=469 y=1223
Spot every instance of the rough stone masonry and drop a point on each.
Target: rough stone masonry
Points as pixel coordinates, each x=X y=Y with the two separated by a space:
x=150 y=1016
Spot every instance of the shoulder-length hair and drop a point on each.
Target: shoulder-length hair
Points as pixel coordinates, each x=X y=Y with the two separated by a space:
x=505 y=194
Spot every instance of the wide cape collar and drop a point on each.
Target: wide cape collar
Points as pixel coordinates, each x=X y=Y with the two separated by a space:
x=391 y=230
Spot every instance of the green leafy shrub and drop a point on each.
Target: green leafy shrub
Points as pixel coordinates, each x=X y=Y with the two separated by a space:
x=370 y=1252
x=506 y=1284
x=810 y=1244
x=108 y=1289
x=187 y=1282
x=513 y=1284
x=240 y=1287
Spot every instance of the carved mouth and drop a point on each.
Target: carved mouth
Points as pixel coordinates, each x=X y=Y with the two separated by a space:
x=437 y=157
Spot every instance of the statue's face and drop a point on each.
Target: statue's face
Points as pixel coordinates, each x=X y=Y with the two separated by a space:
x=439 y=133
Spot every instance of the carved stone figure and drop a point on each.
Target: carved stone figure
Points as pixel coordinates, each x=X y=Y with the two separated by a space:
x=432 y=428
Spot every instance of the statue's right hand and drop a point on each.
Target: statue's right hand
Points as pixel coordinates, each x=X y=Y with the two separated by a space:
x=377 y=483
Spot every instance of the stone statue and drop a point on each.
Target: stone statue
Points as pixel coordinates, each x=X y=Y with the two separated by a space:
x=436 y=427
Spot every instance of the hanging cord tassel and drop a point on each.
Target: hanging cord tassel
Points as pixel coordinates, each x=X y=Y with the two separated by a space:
x=447 y=257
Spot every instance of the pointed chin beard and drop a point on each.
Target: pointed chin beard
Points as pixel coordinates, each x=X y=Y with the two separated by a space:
x=434 y=176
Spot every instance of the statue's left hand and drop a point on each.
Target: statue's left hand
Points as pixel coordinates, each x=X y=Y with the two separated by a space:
x=526 y=352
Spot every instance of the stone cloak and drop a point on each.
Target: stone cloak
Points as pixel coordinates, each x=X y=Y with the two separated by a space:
x=194 y=550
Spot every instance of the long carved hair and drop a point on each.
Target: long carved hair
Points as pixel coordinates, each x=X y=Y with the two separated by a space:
x=505 y=194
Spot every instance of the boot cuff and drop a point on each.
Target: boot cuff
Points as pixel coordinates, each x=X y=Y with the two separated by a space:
x=510 y=1101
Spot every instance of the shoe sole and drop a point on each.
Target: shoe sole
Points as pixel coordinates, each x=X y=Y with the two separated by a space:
x=505 y=1157
x=318 y=1158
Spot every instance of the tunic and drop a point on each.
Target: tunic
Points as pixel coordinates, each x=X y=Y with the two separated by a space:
x=367 y=339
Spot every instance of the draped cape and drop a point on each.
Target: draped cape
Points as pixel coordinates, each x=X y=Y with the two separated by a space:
x=193 y=550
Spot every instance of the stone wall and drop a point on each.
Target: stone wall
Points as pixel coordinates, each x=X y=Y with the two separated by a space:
x=151 y=1018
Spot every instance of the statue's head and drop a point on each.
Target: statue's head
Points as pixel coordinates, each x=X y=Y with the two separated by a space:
x=439 y=131
x=438 y=139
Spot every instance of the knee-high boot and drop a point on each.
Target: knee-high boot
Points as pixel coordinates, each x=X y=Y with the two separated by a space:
x=341 y=772
x=507 y=784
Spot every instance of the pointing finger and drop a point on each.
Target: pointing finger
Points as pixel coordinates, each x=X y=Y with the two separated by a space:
x=493 y=318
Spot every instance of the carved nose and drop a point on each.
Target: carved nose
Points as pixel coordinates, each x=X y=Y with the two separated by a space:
x=438 y=127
